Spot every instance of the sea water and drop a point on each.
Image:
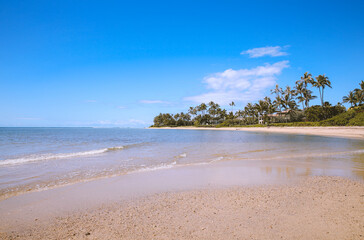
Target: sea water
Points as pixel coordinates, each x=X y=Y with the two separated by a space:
x=34 y=159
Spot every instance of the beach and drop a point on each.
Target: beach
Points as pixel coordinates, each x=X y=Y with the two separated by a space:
x=283 y=186
x=344 y=132
x=316 y=208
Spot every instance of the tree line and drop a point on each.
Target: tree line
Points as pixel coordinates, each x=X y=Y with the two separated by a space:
x=291 y=104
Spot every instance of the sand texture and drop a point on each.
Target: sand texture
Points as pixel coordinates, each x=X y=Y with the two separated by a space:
x=315 y=208
x=345 y=132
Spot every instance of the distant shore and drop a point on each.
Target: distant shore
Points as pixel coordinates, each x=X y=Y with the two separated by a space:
x=344 y=132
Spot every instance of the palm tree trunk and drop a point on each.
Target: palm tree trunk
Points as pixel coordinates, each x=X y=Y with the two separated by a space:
x=322 y=96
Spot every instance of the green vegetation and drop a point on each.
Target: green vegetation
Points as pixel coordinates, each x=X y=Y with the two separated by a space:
x=283 y=110
x=352 y=117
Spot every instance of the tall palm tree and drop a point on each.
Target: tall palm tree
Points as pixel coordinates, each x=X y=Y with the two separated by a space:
x=277 y=90
x=270 y=107
x=321 y=82
x=202 y=107
x=306 y=79
x=359 y=95
x=288 y=102
x=300 y=88
x=214 y=111
x=192 y=111
x=350 y=98
x=261 y=107
x=278 y=103
x=250 y=111
x=232 y=104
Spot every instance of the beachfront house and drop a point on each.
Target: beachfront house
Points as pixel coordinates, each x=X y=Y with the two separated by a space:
x=282 y=116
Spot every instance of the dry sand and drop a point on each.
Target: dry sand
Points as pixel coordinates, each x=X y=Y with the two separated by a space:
x=315 y=208
x=345 y=132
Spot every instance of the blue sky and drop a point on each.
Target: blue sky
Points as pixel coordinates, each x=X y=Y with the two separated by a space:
x=115 y=63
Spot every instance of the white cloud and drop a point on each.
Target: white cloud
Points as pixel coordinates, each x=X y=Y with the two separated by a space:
x=239 y=85
x=266 y=51
x=121 y=107
x=152 y=101
x=90 y=101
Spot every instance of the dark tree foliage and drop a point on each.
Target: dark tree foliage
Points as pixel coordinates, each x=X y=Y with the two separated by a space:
x=318 y=113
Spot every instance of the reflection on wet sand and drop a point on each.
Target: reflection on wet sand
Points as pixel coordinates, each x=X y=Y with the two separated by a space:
x=348 y=165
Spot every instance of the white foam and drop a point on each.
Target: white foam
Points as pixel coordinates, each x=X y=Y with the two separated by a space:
x=158 y=167
x=43 y=157
x=183 y=155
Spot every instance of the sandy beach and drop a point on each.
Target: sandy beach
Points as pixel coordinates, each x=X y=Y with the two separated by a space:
x=191 y=120
x=343 y=132
x=314 y=208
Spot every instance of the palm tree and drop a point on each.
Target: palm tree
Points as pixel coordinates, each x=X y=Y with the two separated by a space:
x=288 y=102
x=306 y=79
x=278 y=103
x=250 y=111
x=232 y=104
x=261 y=107
x=300 y=88
x=320 y=83
x=359 y=95
x=278 y=91
x=350 y=98
x=202 y=107
x=213 y=110
x=307 y=95
x=192 y=111
x=270 y=107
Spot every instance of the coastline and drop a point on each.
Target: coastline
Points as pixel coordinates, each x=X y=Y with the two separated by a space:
x=227 y=198
x=342 y=132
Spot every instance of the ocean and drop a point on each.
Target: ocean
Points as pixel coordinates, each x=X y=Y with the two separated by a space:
x=35 y=159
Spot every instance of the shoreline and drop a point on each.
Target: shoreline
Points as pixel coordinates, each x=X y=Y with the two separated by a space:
x=342 y=132
x=295 y=211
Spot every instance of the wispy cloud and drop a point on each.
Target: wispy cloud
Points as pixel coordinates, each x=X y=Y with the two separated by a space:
x=153 y=101
x=121 y=107
x=239 y=85
x=90 y=101
x=266 y=51
x=137 y=122
x=121 y=123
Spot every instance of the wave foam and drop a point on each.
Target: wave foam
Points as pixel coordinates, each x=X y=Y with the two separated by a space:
x=158 y=167
x=44 y=157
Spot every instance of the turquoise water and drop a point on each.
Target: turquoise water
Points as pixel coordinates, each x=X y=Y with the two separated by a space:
x=40 y=158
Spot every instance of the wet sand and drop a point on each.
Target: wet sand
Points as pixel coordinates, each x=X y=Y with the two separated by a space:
x=344 y=132
x=313 y=208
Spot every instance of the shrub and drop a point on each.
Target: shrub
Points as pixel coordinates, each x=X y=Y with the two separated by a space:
x=318 y=113
x=231 y=123
x=353 y=117
x=296 y=124
x=358 y=120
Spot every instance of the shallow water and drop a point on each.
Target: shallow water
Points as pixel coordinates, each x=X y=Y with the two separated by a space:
x=41 y=158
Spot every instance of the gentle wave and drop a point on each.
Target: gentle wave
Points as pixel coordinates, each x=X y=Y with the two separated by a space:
x=43 y=157
x=156 y=167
